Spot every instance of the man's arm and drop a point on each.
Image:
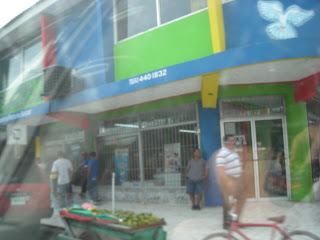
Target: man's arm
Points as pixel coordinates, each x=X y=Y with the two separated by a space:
x=187 y=170
x=89 y=169
x=206 y=171
x=88 y=172
x=54 y=172
x=81 y=165
x=70 y=170
x=224 y=178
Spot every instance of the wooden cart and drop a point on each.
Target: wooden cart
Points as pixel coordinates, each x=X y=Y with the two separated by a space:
x=96 y=230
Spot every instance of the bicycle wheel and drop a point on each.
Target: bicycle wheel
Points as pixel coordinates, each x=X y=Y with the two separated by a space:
x=218 y=236
x=302 y=235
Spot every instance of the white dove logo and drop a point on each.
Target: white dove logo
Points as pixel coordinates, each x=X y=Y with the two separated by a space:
x=283 y=22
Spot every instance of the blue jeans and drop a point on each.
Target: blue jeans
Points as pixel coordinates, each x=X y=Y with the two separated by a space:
x=65 y=199
x=194 y=187
x=92 y=188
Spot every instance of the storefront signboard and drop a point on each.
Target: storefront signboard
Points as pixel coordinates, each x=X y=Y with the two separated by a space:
x=19 y=134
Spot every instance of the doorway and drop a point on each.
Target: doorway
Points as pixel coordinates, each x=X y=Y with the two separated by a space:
x=261 y=144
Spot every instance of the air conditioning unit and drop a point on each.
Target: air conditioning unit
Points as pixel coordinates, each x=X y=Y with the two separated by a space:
x=58 y=81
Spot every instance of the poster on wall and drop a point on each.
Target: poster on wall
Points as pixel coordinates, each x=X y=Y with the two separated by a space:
x=122 y=165
x=17 y=134
x=172 y=158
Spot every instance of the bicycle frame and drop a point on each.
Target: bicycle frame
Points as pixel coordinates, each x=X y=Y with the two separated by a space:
x=234 y=228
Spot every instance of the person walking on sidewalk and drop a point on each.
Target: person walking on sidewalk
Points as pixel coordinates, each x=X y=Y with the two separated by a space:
x=92 y=176
x=62 y=167
x=83 y=168
x=196 y=172
x=231 y=180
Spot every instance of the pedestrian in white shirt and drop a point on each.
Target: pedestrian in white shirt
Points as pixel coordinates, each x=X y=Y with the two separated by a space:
x=63 y=168
x=231 y=180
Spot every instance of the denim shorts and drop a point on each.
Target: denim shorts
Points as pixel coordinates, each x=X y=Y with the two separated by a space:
x=194 y=187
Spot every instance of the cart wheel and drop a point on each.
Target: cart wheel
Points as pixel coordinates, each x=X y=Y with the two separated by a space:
x=89 y=236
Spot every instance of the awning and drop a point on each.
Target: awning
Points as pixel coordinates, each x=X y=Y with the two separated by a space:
x=77 y=119
x=306 y=88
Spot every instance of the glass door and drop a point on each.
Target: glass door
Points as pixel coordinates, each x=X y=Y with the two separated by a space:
x=260 y=144
x=242 y=130
x=271 y=158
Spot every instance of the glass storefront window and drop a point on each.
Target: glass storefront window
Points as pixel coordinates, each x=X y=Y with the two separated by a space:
x=32 y=61
x=4 y=63
x=134 y=16
x=15 y=69
x=119 y=153
x=137 y=16
x=22 y=66
x=170 y=10
x=166 y=152
x=154 y=154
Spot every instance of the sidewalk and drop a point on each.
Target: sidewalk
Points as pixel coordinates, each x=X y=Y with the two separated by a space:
x=182 y=223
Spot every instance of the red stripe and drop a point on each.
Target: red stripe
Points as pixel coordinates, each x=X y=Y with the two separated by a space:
x=305 y=88
x=48 y=34
x=77 y=119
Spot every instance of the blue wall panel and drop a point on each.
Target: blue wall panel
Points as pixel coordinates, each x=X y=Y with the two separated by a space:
x=245 y=26
x=106 y=11
x=80 y=43
x=210 y=141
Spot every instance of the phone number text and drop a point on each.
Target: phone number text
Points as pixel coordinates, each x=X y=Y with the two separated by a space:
x=148 y=76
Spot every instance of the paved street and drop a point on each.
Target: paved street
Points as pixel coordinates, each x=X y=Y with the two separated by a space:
x=186 y=224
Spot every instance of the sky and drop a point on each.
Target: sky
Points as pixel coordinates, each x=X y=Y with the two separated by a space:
x=11 y=8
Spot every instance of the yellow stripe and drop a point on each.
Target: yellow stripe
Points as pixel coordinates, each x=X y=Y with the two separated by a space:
x=216 y=25
x=209 y=90
x=37 y=142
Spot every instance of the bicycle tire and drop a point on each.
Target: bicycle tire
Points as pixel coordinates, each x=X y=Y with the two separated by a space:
x=302 y=235
x=218 y=236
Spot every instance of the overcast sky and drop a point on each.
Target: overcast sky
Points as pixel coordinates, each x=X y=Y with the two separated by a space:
x=11 y=8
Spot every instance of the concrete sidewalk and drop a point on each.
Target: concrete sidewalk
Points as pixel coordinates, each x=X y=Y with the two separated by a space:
x=182 y=223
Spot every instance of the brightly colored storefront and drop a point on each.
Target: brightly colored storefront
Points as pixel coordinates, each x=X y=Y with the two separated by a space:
x=161 y=91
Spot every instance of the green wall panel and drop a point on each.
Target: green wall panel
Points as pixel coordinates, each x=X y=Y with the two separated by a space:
x=297 y=129
x=25 y=95
x=174 y=43
x=52 y=126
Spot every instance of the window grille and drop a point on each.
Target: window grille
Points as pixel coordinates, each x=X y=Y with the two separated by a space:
x=252 y=106
x=145 y=139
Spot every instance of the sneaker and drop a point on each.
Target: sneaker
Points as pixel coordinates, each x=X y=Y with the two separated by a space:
x=197 y=207
x=193 y=207
x=233 y=216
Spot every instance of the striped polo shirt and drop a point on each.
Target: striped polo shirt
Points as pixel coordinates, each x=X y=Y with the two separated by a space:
x=230 y=160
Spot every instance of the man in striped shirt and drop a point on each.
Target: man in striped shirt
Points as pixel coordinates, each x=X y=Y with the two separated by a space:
x=231 y=180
